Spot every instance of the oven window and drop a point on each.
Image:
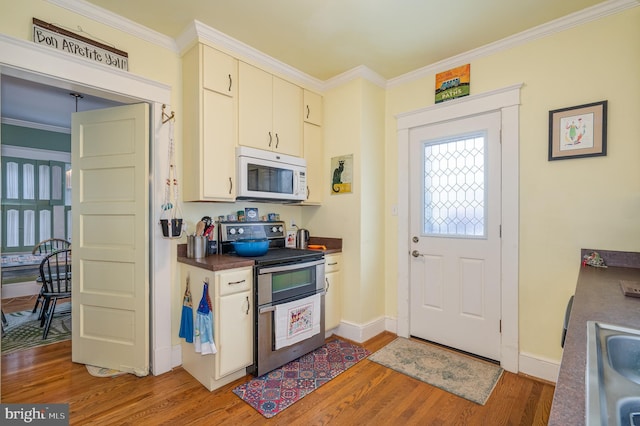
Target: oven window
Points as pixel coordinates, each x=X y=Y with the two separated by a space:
x=269 y=179
x=288 y=284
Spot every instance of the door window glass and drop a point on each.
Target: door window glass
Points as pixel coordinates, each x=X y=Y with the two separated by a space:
x=454 y=187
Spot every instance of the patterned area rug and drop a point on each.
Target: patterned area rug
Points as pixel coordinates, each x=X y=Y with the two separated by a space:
x=273 y=392
x=23 y=330
x=458 y=374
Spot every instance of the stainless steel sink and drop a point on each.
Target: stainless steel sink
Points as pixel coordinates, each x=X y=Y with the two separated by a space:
x=624 y=355
x=612 y=375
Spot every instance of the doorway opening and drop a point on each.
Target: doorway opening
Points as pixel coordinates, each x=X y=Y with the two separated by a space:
x=25 y=60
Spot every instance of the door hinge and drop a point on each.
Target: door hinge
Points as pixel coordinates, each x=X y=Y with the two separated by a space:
x=500 y=325
x=500 y=230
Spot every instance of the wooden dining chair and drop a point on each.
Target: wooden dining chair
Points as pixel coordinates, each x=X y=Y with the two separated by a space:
x=47 y=246
x=55 y=272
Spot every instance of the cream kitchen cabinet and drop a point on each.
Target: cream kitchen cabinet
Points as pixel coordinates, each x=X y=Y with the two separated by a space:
x=269 y=112
x=233 y=325
x=314 y=154
x=333 y=287
x=210 y=96
x=312 y=110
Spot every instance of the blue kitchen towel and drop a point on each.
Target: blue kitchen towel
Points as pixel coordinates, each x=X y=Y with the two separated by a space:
x=204 y=325
x=186 y=322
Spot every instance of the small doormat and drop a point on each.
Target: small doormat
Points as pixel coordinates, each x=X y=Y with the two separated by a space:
x=458 y=374
x=103 y=372
x=272 y=392
x=23 y=330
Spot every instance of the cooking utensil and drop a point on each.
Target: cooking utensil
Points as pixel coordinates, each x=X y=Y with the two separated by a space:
x=317 y=247
x=199 y=228
x=251 y=247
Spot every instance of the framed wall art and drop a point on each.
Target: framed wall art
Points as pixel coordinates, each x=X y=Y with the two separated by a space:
x=579 y=131
x=341 y=174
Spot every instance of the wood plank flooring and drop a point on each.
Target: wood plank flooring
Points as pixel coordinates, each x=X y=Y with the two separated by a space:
x=366 y=394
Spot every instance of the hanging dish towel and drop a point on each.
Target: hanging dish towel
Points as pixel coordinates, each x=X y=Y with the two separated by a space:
x=204 y=325
x=297 y=320
x=186 y=322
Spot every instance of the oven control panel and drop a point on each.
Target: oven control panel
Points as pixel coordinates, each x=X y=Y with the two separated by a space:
x=234 y=231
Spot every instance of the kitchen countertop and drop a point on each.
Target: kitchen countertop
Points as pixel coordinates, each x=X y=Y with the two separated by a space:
x=221 y=262
x=598 y=297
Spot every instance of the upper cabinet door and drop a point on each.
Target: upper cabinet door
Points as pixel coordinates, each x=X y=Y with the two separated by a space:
x=255 y=105
x=220 y=72
x=287 y=120
x=312 y=109
x=269 y=112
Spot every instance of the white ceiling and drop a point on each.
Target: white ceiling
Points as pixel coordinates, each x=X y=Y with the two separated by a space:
x=320 y=38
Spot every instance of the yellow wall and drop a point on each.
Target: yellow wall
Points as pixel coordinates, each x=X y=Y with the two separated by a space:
x=354 y=124
x=564 y=205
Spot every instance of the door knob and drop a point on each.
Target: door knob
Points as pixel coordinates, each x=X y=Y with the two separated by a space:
x=416 y=253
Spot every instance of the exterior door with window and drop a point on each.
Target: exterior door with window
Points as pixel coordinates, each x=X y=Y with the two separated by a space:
x=455 y=234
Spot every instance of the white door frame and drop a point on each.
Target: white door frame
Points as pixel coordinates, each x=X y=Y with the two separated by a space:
x=24 y=59
x=507 y=101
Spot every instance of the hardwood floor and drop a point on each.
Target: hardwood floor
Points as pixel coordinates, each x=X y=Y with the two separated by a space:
x=365 y=394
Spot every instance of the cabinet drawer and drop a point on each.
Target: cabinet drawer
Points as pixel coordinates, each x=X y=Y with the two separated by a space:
x=235 y=281
x=332 y=263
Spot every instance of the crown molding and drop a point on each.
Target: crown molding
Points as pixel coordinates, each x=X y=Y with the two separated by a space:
x=38 y=126
x=197 y=31
x=118 y=22
x=552 y=27
x=357 y=72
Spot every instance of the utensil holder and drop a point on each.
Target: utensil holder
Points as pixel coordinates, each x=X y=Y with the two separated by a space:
x=196 y=246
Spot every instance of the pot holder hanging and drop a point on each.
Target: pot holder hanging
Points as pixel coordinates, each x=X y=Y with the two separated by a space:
x=204 y=324
x=186 y=322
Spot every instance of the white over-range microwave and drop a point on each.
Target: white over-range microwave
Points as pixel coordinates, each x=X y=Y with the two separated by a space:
x=267 y=175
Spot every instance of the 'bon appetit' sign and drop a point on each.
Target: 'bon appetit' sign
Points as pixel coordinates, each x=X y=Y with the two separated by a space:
x=61 y=39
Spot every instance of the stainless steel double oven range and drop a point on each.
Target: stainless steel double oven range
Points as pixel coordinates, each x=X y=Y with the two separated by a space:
x=282 y=275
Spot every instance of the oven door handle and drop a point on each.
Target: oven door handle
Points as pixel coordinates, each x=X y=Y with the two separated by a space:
x=293 y=266
x=265 y=309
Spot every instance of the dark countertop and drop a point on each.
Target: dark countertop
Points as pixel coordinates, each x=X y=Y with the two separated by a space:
x=598 y=297
x=221 y=262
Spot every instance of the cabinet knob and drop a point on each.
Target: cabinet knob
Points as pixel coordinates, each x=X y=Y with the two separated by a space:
x=277 y=140
x=230 y=185
x=248 y=306
x=326 y=289
x=308 y=111
x=270 y=139
x=230 y=82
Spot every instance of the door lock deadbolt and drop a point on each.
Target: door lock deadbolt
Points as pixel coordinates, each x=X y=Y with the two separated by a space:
x=415 y=239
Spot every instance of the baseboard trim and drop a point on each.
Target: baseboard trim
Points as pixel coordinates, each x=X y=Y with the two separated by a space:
x=176 y=356
x=360 y=333
x=538 y=367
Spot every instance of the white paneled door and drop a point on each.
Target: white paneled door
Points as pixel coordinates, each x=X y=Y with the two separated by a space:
x=455 y=234
x=110 y=313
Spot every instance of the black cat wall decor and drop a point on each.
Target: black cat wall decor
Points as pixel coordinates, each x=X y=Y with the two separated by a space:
x=337 y=176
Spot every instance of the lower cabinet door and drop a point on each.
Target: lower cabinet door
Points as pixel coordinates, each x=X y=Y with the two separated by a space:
x=235 y=333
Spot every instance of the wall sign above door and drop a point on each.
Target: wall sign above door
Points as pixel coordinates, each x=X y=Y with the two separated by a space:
x=67 y=41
